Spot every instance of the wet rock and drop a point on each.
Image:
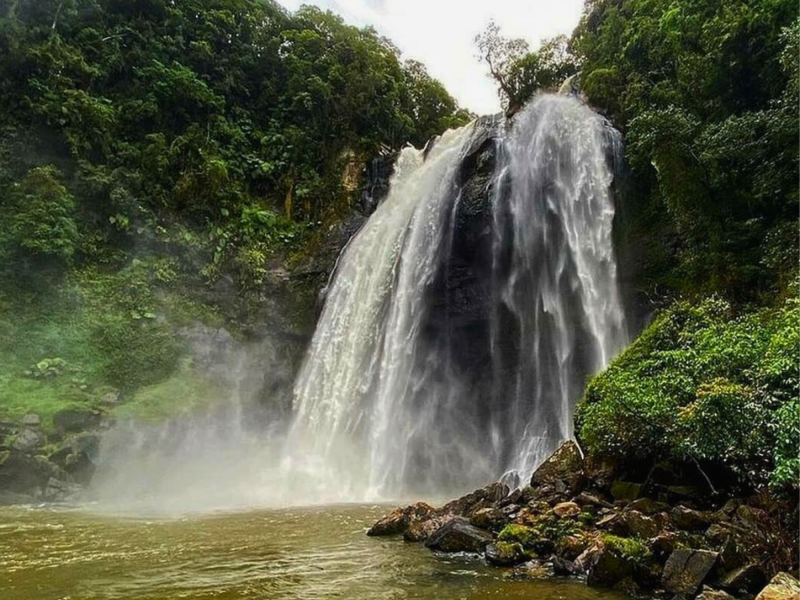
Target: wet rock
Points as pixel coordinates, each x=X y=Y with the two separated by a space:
x=505 y=554
x=615 y=524
x=31 y=420
x=583 y=499
x=534 y=569
x=400 y=519
x=570 y=547
x=711 y=594
x=476 y=500
x=625 y=490
x=782 y=587
x=28 y=440
x=648 y=506
x=689 y=519
x=606 y=568
x=638 y=525
x=686 y=570
x=58 y=490
x=566 y=510
x=419 y=531
x=21 y=473
x=73 y=420
x=565 y=465
x=602 y=472
x=663 y=545
x=564 y=567
x=731 y=555
x=748 y=578
x=459 y=536
x=489 y=518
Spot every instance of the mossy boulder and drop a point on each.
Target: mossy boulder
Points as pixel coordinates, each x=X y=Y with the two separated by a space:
x=505 y=554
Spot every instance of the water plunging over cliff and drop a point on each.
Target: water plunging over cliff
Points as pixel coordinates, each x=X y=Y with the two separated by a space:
x=465 y=316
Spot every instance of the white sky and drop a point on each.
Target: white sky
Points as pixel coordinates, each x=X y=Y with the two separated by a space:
x=440 y=34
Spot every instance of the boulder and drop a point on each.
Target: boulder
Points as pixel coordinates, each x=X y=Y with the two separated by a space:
x=73 y=420
x=28 y=440
x=615 y=524
x=419 y=531
x=565 y=465
x=748 y=578
x=712 y=594
x=464 y=506
x=588 y=500
x=606 y=568
x=686 y=570
x=663 y=545
x=638 y=525
x=400 y=519
x=689 y=519
x=648 y=506
x=570 y=547
x=564 y=567
x=31 y=420
x=459 y=536
x=782 y=587
x=566 y=510
x=505 y=554
x=489 y=518
x=625 y=490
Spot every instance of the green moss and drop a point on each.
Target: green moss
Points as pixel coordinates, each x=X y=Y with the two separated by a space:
x=519 y=534
x=628 y=548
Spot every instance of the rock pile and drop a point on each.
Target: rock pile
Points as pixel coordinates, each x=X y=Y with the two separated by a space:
x=575 y=519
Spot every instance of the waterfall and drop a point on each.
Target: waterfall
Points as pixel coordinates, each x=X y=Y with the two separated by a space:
x=456 y=336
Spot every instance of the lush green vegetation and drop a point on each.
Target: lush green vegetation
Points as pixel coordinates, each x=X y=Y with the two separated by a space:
x=704 y=384
x=149 y=148
x=706 y=94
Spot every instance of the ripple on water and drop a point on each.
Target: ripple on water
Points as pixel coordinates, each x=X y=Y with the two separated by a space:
x=308 y=554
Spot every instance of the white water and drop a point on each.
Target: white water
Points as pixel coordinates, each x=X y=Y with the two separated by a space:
x=386 y=406
x=379 y=411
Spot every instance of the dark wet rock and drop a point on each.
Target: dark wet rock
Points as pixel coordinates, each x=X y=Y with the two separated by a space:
x=626 y=490
x=565 y=465
x=614 y=524
x=602 y=472
x=505 y=554
x=21 y=473
x=583 y=499
x=489 y=518
x=686 y=570
x=419 y=531
x=648 y=506
x=533 y=570
x=782 y=587
x=689 y=519
x=476 y=500
x=400 y=519
x=663 y=545
x=564 y=567
x=678 y=493
x=639 y=525
x=708 y=593
x=748 y=578
x=606 y=568
x=459 y=536
x=647 y=573
x=731 y=555
x=570 y=547
x=73 y=420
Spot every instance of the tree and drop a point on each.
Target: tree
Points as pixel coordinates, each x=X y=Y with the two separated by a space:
x=500 y=54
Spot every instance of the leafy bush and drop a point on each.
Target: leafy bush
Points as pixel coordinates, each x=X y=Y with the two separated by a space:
x=704 y=384
x=39 y=220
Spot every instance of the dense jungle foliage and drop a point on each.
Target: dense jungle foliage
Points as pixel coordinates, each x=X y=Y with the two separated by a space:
x=706 y=94
x=150 y=147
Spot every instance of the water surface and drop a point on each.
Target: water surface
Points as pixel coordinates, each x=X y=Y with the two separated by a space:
x=308 y=554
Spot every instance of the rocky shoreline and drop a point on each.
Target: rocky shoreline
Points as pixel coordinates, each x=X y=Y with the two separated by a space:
x=578 y=519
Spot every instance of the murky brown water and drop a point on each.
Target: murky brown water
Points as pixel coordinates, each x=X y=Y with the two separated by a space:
x=307 y=554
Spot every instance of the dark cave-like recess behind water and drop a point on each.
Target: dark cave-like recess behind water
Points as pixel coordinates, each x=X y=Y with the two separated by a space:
x=465 y=316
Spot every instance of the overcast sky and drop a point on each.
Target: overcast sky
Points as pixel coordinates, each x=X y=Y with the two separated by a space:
x=440 y=33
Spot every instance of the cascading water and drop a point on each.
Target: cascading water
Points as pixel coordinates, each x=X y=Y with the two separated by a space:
x=458 y=330
x=403 y=390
